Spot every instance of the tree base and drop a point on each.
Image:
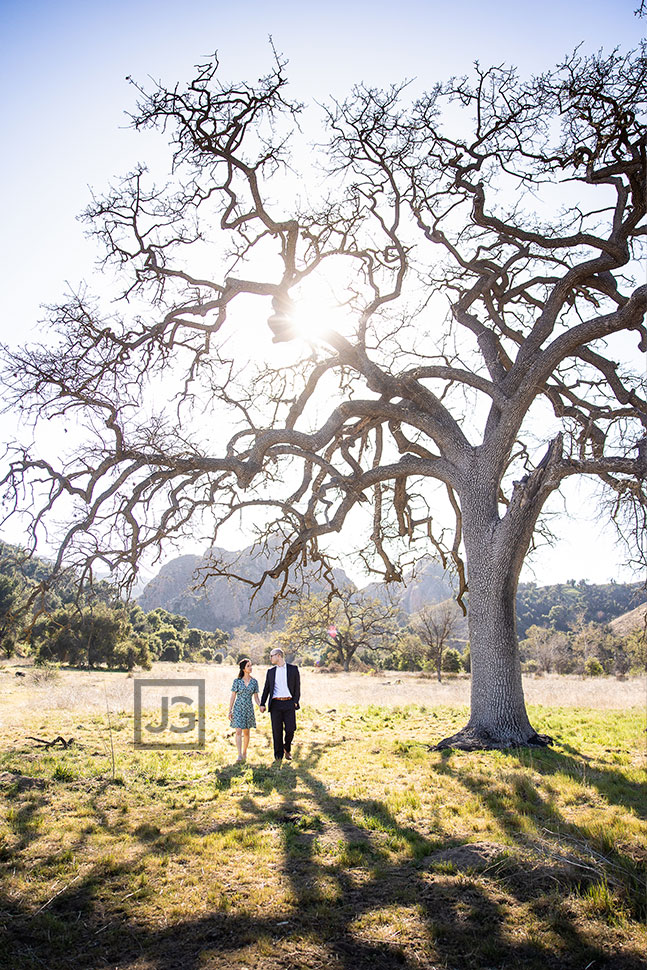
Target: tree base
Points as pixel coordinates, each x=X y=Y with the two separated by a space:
x=473 y=739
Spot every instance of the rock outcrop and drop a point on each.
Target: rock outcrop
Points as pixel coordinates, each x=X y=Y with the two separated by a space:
x=210 y=602
x=187 y=586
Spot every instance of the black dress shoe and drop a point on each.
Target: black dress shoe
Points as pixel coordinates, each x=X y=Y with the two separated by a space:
x=287 y=755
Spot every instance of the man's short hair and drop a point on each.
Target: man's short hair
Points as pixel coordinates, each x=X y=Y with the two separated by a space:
x=275 y=651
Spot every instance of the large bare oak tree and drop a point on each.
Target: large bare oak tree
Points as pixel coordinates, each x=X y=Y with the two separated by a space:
x=481 y=243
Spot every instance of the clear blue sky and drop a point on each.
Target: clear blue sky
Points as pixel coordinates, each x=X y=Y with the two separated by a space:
x=62 y=74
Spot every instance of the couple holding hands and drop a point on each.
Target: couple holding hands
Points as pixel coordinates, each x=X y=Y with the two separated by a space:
x=281 y=691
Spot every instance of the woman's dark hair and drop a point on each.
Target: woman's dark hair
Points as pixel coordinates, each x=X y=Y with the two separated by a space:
x=241 y=666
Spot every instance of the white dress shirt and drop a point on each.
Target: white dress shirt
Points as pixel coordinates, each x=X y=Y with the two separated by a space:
x=281 y=682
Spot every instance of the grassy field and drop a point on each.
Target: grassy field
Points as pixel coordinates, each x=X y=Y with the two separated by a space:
x=368 y=851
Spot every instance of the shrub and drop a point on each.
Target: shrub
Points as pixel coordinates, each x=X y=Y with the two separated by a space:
x=452 y=662
x=593 y=667
x=131 y=652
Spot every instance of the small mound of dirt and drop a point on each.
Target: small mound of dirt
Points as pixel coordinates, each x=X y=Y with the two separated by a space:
x=472 y=855
x=23 y=782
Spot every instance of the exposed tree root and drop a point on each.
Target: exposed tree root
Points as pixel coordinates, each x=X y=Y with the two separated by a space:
x=472 y=739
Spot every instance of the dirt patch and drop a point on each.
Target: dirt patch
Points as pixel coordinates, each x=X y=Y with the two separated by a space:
x=525 y=872
x=472 y=855
x=22 y=782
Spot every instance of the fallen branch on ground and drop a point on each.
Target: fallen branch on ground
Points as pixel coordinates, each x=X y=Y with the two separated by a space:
x=52 y=744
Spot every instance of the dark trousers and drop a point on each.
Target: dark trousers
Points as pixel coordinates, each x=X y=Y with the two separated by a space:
x=284 y=718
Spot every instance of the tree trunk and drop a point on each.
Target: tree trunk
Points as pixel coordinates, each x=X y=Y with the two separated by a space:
x=345 y=652
x=498 y=717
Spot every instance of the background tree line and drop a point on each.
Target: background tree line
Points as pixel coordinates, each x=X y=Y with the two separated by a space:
x=563 y=628
x=352 y=629
x=56 y=623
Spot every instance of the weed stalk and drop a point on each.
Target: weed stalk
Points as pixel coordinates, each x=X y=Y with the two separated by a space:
x=112 y=747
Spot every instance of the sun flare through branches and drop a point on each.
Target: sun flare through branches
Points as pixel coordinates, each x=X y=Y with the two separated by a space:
x=435 y=266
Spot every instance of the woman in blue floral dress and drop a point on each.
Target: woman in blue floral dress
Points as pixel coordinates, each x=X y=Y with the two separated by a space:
x=244 y=694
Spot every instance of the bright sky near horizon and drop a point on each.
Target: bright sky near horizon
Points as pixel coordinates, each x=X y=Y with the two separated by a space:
x=63 y=76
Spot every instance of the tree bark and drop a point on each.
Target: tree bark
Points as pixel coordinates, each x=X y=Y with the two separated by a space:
x=498 y=710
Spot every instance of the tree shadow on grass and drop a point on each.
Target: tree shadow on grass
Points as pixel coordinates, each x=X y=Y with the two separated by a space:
x=353 y=901
x=26 y=799
x=451 y=907
x=580 y=846
x=612 y=784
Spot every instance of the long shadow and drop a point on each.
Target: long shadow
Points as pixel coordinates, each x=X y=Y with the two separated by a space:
x=23 y=818
x=338 y=890
x=612 y=784
x=609 y=862
x=443 y=901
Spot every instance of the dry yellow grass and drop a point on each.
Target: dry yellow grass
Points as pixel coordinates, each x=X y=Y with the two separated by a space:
x=77 y=691
x=628 y=622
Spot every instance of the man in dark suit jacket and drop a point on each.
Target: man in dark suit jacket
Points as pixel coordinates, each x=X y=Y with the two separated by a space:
x=282 y=691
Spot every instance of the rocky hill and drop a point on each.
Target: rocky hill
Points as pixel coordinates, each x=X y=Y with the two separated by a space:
x=630 y=622
x=428 y=583
x=213 y=602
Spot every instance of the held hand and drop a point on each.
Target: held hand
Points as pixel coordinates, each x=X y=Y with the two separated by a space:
x=262 y=708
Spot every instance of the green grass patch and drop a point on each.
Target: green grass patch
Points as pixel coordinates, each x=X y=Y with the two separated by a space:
x=370 y=848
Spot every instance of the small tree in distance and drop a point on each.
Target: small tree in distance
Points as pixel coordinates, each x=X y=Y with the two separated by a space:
x=339 y=625
x=480 y=241
x=452 y=661
x=436 y=626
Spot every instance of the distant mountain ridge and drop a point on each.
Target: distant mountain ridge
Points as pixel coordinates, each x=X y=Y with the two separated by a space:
x=564 y=606
x=219 y=603
x=212 y=602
